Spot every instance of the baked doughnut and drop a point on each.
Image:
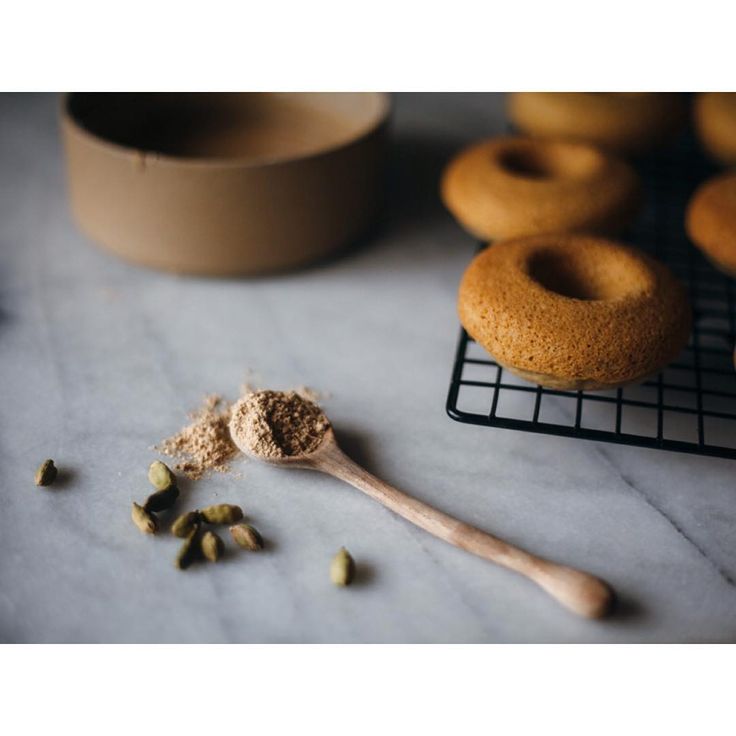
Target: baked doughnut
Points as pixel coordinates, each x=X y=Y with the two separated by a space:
x=574 y=311
x=714 y=115
x=623 y=122
x=710 y=221
x=511 y=186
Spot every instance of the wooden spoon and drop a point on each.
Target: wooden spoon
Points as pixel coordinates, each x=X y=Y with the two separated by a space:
x=578 y=591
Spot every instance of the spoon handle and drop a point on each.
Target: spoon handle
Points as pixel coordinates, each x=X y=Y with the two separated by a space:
x=578 y=591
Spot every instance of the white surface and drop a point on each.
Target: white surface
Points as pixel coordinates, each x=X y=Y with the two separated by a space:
x=99 y=360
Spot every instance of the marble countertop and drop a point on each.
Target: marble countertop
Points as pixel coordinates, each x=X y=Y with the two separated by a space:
x=99 y=360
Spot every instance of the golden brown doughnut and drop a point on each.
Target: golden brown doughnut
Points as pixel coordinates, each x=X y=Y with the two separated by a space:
x=624 y=122
x=710 y=221
x=574 y=311
x=714 y=116
x=512 y=186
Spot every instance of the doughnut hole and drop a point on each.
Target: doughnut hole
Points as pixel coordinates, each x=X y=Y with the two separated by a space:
x=545 y=160
x=590 y=275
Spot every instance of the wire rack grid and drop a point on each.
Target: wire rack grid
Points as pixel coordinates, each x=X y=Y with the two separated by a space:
x=689 y=407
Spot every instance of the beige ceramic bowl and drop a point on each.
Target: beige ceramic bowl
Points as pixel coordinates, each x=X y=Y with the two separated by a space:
x=225 y=184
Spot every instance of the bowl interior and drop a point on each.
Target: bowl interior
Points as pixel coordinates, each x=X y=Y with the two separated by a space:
x=252 y=127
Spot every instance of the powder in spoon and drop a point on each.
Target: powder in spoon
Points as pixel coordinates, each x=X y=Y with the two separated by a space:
x=278 y=424
x=205 y=443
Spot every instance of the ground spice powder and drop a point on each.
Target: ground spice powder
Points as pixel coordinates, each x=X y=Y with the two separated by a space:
x=278 y=424
x=204 y=444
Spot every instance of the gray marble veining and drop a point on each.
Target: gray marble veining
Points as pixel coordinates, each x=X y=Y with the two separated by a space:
x=100 y=359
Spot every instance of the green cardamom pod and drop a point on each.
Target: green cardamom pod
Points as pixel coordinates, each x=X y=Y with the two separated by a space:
x=144 y=520
x=46 y=473
x=247 y=537
x=160 y=476
x=186 y=524
x=342 y=568
x=222 y=513
x=189 y=551
x=212 y=546
x=162 y=500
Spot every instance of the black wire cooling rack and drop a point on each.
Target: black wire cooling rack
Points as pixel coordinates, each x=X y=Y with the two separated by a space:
x=689 y=407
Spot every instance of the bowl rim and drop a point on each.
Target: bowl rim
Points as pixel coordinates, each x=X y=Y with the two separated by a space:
x=73 y=125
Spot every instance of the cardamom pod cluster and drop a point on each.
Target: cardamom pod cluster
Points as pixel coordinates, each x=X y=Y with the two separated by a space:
x=342 y=568
x=198 y=543
x=247 y=537
x=46 y=473
x=222 y=513
x=207 y=542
